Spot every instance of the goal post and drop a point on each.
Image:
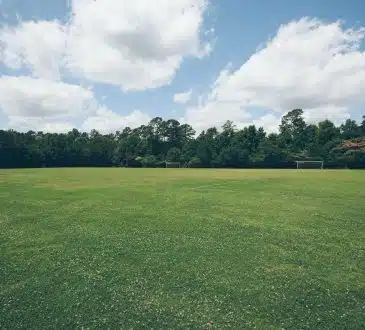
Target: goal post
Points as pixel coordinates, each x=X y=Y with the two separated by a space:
x=310 y=164
x=172 y=164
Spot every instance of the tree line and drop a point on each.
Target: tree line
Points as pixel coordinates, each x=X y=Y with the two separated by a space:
x=168 y=140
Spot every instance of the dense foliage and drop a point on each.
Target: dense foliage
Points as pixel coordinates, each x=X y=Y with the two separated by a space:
x=150 y=145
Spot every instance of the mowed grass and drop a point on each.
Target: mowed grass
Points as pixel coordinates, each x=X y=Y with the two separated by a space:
x=181 y=248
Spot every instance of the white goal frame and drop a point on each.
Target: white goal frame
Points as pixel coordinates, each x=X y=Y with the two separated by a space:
x=172 y=165
x=319 y=162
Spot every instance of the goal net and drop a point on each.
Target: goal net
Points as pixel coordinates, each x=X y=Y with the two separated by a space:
x=310 y=164
x=173 y=165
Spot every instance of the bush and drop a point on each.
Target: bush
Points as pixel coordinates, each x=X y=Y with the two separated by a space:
x=135 y=162
x=149 y=161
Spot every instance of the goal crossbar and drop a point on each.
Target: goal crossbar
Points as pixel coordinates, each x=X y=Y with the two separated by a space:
x=308 y=163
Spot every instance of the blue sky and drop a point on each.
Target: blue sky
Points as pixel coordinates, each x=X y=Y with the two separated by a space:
x=264 y=79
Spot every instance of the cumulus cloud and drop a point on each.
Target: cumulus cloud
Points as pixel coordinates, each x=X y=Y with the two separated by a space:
x=269 y=121
x=107 y=121
x=50 y=106
x=38 y=97
x=132 y=44
x=24 y=124
x=183 y=97
x=308 y=64
x=37 y=46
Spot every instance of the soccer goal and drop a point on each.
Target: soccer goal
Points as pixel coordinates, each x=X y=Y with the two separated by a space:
x=172 y=164
x=310 y=164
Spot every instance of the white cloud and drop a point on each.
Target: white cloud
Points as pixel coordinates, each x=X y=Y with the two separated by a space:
x=183 y=97
x=132 y=44
x=107 y=121
x=25 y=124
x=43 y=105
x=269 y=121
x=40 y=98
x=37 y=46
x=336 y=113
x=309 y=64
x=49 y=106
x=213 y=113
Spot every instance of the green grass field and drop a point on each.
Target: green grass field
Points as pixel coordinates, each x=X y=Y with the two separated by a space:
x=170 y=248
